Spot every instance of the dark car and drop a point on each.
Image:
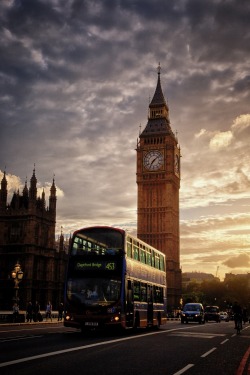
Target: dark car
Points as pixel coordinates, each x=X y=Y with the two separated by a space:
x=212 y=313
x=193 y=312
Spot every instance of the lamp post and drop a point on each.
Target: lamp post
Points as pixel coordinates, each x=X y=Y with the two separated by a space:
x=17 y=275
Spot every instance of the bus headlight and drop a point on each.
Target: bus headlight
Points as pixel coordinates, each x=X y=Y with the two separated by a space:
x=115 y=318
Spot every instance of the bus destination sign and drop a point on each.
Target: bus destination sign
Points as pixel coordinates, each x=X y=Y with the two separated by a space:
x=103 y=265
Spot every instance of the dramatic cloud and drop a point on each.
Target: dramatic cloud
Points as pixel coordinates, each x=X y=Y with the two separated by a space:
x=76 y=78
x=221 y=140
x=240 y=261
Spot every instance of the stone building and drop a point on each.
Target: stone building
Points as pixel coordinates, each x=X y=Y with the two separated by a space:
x=27 y=236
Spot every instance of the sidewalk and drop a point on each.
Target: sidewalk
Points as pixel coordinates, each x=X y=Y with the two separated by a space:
x=6 y=317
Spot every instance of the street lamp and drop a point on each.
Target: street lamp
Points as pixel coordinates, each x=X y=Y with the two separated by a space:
x=17 y=275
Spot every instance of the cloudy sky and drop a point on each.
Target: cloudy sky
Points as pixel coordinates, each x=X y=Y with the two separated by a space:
x=76 y=77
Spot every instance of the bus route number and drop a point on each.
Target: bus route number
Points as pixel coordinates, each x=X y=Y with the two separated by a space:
x=110 y=266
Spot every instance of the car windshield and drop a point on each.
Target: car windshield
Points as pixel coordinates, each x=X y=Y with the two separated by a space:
x=191 y=308
x=93 y=291
x=212 y=309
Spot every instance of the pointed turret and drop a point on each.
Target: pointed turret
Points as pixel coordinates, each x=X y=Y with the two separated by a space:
x=33 y=188
x=158 y=119
x=61 y=241
x=3 y=192
x=25 y=189
x=52 y=198
x=158 y=98
x=25 y=198
x=43 y=200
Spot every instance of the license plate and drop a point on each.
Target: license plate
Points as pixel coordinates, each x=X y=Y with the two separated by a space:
x=190 y=317
x=92 y=324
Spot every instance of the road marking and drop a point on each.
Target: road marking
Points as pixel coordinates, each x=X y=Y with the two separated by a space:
x=20 y=338
x=223 y=342
x=197 y=334
x=32 y=328
x=184 y=369
x=207 y=353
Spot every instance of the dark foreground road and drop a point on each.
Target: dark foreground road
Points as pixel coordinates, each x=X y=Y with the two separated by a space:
x=173 y=350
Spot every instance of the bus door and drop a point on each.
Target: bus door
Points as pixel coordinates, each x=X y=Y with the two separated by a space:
x=130 y=305
x=150 y=313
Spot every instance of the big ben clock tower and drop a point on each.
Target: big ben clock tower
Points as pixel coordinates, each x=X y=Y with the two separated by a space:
x=158 y=181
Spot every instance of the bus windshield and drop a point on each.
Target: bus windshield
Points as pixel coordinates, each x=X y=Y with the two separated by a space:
x=97 y=241
x=95 y=267
x=93 y=290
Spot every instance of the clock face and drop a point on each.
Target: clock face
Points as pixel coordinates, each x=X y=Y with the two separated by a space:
x=153 y=160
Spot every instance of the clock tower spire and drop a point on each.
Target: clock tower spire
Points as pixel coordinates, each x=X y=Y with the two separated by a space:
x=158 y=181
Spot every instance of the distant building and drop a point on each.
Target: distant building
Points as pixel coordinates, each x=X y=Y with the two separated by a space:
x=240 y=276
x=198 y=277
x=27 y=236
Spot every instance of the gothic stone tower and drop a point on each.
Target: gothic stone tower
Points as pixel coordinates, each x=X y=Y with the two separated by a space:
x=27 y=235
x=158 y=181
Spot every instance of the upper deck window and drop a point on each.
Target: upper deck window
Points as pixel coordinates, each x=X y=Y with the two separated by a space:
x=98 y=241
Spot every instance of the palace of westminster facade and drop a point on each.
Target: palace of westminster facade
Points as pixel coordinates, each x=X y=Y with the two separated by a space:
x=27 y=225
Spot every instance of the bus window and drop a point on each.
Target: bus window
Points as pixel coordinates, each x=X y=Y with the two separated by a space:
x=153 y=259
x=135 y=252
x=150 y=293
x=142 y=256
x=136 y=291
x=158 y=294
x=129 y=249
x=143 y=292
x=162 y=264
x=157 y=261
x=148 y=257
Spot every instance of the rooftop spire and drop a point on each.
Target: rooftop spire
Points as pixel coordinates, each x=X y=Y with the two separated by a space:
x=159 y=68
x=158 y=116
x=158 y=98
x=3 y=191
x=33 y=188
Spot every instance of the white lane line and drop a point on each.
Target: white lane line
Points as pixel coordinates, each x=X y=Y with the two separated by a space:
x=32 y=328
x=209 y=352
x=223 y=342
x=194 y=335
x=20 y=338
x=184 y=369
